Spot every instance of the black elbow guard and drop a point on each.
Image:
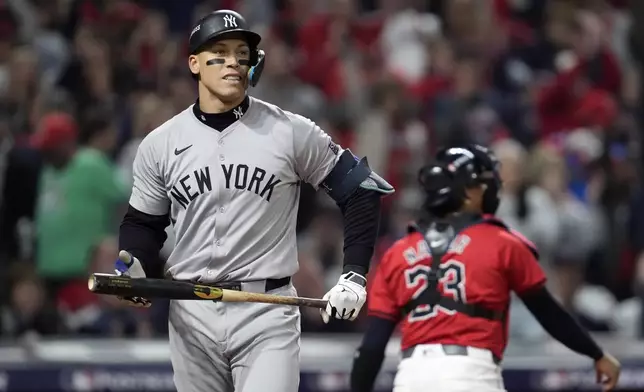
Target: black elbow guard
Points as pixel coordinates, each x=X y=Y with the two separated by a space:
x=366 y=366
x=351 y=173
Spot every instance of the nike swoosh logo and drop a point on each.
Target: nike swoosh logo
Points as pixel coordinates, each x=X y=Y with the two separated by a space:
x=437 y=243
x=177 y=152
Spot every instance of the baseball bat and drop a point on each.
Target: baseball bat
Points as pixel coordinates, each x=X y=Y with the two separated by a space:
x=124 y=286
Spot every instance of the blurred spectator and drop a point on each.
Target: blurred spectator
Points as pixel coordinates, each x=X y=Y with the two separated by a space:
x=152 y=51
x=335 y=46
x=587 y=74
x=438 y=75
x=19 y=172
x=22 y=89
x=28 y=312
x=382 y=134
x=472 y=27
x=39 y=21
x=612 y=188
x=280 y=86
x=637 y=239
x=88 y=76
x=182 y=93
x=465 y=113
x=580 y=228
x=526 y=206
x=7 y=37
x=405 y=39
x=78 y=196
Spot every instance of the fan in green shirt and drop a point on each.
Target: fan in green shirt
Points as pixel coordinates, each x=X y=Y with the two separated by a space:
x=79 y=197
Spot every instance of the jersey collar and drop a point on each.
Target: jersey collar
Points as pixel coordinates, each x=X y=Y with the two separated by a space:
x=221 y=121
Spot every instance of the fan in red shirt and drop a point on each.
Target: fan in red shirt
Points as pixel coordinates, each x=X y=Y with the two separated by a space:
x=448 y=284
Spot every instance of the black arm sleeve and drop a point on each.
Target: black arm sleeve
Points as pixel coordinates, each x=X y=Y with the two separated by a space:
x=371 y=353
x=143 y=235
x=560 y=324
x=361 y=213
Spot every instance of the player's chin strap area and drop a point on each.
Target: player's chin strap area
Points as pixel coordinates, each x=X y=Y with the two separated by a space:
x=438 y=239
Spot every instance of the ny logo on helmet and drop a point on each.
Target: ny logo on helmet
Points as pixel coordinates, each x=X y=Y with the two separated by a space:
x=230 y=21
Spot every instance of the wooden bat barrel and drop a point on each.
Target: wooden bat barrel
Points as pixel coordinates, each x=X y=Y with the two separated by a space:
x=125 y=286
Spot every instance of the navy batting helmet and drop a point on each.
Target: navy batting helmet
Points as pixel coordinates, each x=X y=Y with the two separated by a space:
x=218 y=25
x=454 y=170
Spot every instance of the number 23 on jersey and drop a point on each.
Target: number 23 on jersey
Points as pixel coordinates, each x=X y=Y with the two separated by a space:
x=451 y=278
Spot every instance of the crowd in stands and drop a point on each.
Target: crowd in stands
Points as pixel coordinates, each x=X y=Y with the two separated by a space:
x=552 y=86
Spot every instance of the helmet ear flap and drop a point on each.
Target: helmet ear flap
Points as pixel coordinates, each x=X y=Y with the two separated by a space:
x=257 y=66
x=445 y=193
x=435 y=177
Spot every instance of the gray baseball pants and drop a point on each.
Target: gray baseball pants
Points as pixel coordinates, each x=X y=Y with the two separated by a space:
x=235 y=347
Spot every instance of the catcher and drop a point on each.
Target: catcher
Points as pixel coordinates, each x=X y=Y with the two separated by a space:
x=448 y=284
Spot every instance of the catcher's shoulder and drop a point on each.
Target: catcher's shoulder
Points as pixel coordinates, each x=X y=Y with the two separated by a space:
x=508 y=237
x=410 y=242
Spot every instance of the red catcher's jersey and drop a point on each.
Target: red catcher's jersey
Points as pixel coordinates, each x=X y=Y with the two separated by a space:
x=484 y=263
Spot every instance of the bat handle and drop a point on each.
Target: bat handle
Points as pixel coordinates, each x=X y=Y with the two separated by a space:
x=244 y=296
x=313 y=303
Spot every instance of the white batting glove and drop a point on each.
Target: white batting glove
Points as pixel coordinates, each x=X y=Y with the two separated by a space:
x=345 y=298
x=128 y=265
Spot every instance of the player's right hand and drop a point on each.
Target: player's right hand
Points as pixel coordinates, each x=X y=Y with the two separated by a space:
x=128 y=265
x=607 y=369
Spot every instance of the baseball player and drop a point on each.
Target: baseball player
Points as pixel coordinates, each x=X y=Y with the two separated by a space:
x=226 y=172
x=448 y=284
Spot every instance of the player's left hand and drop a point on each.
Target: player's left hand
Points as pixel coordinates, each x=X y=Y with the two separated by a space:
x=345 y=298
x=128 y=265
x=607 y=369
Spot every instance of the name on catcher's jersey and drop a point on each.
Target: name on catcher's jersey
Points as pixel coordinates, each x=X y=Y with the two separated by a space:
x=232 y=195
x=483 y=265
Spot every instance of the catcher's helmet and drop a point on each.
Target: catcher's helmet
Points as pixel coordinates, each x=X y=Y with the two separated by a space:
x=217 y=25
x=491 y=176
x=446 y=179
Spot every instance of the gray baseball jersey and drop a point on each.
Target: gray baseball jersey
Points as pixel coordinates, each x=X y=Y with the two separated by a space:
x=232 y=195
